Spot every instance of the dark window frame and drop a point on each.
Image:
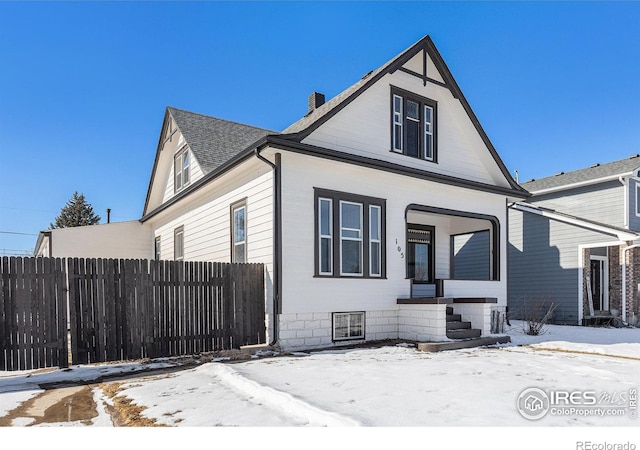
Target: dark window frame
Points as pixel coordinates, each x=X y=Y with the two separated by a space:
x=336 y=198
x=361 y=337
x=233 y=207
x=422 y=102
x=431 y=256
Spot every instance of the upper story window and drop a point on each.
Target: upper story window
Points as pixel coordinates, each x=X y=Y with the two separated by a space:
x=413 y=125
x=181 y=166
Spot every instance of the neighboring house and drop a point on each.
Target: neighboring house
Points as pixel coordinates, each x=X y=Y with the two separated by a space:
x=111 y=240
x=573 y=243
x=373 y=214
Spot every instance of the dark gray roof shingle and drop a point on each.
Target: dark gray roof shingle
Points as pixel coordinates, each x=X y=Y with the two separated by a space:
x=591 y=173
x=215 y=141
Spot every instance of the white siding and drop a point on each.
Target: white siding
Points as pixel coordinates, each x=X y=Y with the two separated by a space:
x=363 y=128
x=304 y=294
x=206 y=217
x=195 y=173
x=162 y=188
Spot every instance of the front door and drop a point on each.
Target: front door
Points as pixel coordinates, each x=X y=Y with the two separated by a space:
x=598 y=271
x=420 y=251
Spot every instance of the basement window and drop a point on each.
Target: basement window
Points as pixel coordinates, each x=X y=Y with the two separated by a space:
x=348 y=326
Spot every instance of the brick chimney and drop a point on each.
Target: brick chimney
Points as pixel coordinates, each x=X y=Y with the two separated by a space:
x=316 y=99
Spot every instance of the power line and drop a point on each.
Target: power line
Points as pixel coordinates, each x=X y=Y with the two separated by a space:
x=16 y=232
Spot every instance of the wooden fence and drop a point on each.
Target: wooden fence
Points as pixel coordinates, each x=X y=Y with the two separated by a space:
x=125 y=309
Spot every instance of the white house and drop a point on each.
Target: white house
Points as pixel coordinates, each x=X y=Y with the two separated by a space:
x=375 y=214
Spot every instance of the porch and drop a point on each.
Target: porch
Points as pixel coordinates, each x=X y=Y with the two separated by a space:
x=453 y=272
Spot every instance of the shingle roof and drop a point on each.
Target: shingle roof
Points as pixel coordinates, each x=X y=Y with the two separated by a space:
x=322 y=110
x=215 y=141
x=591 y=173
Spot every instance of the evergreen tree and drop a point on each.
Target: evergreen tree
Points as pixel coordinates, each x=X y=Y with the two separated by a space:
x=76 y=213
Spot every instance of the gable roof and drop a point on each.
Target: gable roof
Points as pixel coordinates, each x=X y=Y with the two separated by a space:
x=303 y=127
x=589 y=175
x=218 y=143
x=214 y=141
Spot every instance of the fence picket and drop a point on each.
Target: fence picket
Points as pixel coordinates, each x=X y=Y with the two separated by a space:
x=123 y=309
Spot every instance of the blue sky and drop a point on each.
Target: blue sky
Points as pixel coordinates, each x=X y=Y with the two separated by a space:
x=84 y=85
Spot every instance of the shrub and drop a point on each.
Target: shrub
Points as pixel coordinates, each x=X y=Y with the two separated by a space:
x=537 y=314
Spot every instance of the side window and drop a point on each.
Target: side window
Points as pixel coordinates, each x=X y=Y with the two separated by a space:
x=413 y=125
x=239 y=232
x=181 y=166
x=178 y=244
x=156 y=248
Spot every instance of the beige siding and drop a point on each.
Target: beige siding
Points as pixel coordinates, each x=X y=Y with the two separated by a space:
x=113 y=240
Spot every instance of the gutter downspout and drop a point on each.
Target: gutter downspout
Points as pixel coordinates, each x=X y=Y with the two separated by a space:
x=277 y=238
x=624 y=280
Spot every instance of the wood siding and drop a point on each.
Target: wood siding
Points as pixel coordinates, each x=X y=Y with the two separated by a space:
x=364 y=128
x=471 y=256
x=304 y=293
x=602 y=203
x=205 y=217
x=544 y=263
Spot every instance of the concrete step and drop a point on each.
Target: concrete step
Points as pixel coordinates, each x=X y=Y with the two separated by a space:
x=454 y=318
x=469 y=343
x=458 y=325
x=463 y=334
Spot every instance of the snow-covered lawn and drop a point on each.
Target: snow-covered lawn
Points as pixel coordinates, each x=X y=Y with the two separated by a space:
x=391 y=386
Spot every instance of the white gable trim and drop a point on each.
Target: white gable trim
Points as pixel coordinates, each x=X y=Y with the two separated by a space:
x=622 y=235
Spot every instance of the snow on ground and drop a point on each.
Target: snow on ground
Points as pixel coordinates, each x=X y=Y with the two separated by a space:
x=391 y=386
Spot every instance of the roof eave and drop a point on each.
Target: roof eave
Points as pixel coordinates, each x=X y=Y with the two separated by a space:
x=566 y=187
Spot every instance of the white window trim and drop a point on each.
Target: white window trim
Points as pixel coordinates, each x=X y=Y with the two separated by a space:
x=178 y=233
x=398 y=121
x=428 y=133
x=378 y=241
x=233 y=232
x=180 y=169
x=348 y=314
x=360 y=239
x=637 y=199
x=157 y=247
x=325 y=236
